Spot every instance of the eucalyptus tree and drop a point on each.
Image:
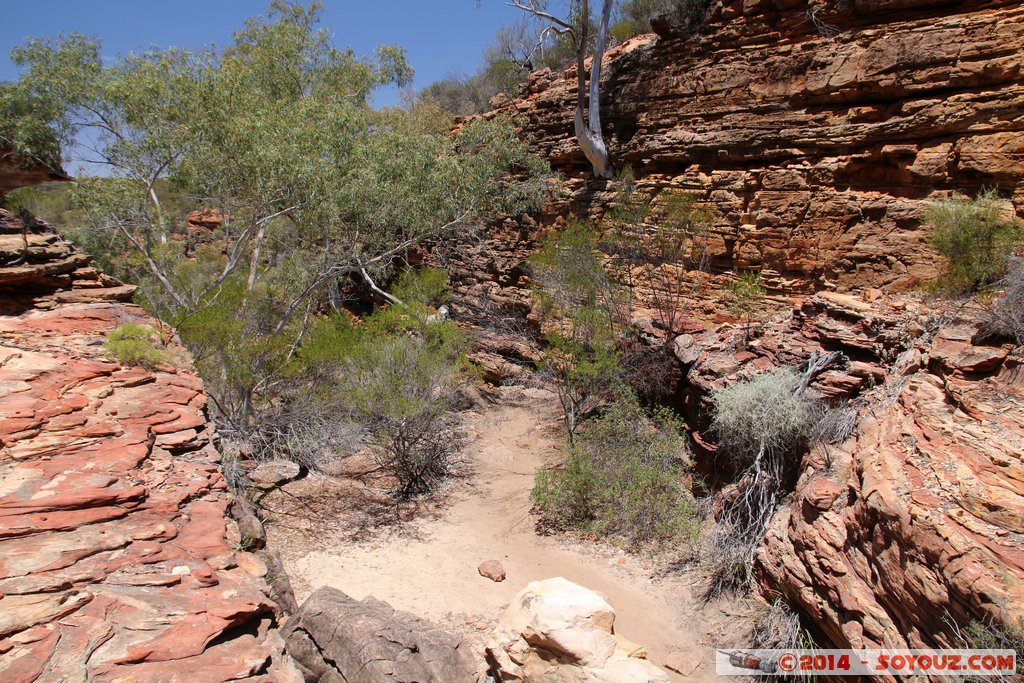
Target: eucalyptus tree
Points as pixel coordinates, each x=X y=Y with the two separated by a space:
x=276 y=133
x=576 y=24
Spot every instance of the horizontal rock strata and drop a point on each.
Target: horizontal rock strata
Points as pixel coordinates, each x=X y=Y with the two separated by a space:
x=117 y=559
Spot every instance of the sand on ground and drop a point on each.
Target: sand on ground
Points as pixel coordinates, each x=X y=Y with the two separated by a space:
x=429 y=566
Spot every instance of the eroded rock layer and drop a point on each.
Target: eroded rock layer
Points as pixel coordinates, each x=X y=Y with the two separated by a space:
x=911 y=528
x=818 y=132
x=117 y=560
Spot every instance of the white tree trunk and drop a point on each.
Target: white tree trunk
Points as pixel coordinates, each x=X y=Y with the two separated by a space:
x=589 y=134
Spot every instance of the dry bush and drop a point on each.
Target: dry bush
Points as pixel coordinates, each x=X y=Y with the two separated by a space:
x=1006 y=317
x=777 y=629
x=764 y=425
x=764 y=418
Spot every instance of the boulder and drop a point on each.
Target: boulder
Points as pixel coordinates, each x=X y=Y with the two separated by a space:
x=492 y=570
x=334 y=637
x=555 y=630
x=274 y=473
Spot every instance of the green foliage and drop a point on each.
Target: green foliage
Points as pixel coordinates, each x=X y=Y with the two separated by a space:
x=622 y=479
x=400 y=389
x=517 y=50
x=746 y=293
x=975 y=239
x=633 y=17
x=524 y=46
x=989 y=635
x=589 y=317
x=317 y=195
x=49 y=201
x=654 y=240
x=133 y=344
x=394 y=376
x=423 y=286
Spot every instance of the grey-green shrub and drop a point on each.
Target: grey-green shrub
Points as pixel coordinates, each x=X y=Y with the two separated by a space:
x=762 y=424
x=763 y=415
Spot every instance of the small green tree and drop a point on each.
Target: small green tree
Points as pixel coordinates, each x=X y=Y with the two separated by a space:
x=974 y=237
x=589 y=316
x=746 y=295
x=622 y=479
x=654 y=241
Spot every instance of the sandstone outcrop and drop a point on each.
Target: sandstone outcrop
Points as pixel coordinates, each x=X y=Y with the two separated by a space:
x=38 y=269
x=334 y=637
x=18 y=171
x=914 y=526
x=117 y=559
x=818 y=131
x=555 y=630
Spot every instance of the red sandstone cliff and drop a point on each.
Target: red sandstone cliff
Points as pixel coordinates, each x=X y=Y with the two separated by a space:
x=117 y=557
x=819 y=155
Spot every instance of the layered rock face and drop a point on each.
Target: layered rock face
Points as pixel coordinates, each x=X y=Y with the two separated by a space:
x=17 y=171
x=818 y=152
x=913 y=526
x=819 y=133
x=38 y=269
x=117 y=559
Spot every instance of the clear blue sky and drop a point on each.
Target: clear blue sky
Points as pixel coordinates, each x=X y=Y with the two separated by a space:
x=441 y=36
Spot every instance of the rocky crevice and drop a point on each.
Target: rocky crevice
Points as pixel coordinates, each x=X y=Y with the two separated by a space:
x=819 y=133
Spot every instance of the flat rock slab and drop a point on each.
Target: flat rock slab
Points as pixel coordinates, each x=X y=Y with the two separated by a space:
x=334 y=637
x=115 y=556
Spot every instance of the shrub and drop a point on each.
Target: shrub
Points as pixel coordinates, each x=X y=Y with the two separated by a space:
x=634 y=16
x=590 y=318
x=763 y=417
x=778 y=628
x=762 y=424
x=622 y=479
x=400 y=389
x=990 y=635
x=1006 y=317
x=651 y=238
x=974 y=237
x=746 y=294
x=133 y=344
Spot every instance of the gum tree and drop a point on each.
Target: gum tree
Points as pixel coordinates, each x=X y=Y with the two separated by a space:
x=275 y=133
x=577 y=26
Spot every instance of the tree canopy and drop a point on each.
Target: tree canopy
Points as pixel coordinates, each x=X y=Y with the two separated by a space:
x=314 y=191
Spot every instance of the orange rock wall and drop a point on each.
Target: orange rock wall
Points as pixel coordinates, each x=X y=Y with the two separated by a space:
x=818 y=153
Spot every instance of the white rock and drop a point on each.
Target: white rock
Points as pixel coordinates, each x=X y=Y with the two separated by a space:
x=557 y=631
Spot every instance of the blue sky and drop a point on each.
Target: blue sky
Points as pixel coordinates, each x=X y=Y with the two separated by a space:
x=440 y=36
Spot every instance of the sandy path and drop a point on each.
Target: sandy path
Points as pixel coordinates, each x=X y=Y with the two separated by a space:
x=430 y=566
